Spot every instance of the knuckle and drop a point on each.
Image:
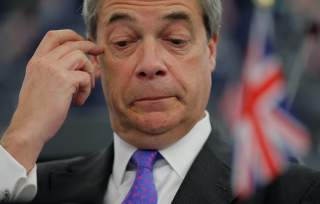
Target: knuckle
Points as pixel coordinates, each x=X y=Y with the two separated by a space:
x=69 y=45
x=78 y=53
x=51 y=34
x=70 y=31
x=87 y=78
x=61 y=76
x=84 y=77
x=80 y=56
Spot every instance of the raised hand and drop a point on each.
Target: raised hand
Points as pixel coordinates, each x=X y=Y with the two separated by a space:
x=59 y=73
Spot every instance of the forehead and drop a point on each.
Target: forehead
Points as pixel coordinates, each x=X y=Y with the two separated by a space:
x=149 y=8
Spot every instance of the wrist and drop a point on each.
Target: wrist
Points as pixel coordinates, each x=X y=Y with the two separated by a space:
x=22 y=147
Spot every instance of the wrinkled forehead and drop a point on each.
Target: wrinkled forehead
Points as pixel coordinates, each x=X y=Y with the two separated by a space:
x=111 y=10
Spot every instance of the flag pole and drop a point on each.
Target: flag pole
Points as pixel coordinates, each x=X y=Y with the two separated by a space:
x=300 y=63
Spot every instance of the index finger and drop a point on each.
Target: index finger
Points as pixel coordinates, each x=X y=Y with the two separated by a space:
x=87 y=47
x=55 y=38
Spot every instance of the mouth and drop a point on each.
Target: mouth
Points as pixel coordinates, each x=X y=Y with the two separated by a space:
x=158 y=98
x=153 y=104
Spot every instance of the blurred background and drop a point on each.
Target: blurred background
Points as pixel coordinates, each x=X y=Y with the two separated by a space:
x=87 y=129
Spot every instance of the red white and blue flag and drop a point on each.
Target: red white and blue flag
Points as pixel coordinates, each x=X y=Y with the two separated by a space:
x=265 y=134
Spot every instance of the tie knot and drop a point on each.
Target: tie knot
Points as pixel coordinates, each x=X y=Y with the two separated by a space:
x=145 y=158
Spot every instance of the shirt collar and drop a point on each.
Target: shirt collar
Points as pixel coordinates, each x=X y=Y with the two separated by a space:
x=122 y=154
x=189 y=146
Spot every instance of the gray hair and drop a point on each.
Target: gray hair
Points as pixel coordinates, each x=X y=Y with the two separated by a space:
x=212 y=12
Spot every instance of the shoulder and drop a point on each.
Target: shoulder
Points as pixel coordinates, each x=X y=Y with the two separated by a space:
x=71 y=163
x=82 y=177
x=298 y=184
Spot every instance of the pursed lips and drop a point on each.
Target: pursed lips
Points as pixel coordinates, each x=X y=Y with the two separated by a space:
x=153 y=103
x=153 y=98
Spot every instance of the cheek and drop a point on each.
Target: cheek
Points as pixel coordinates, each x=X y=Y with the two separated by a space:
x=196 y=75
x=115 y=77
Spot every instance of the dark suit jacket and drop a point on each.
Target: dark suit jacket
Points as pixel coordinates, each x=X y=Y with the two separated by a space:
x=85 y=180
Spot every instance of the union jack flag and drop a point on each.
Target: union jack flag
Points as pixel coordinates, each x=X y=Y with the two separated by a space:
x=265 y=134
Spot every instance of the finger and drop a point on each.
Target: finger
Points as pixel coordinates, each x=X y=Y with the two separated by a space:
x=87 y=47
x=77 y=60
x=82 y=83
x=55 y=38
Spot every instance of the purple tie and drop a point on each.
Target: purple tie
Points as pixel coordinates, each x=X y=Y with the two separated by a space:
x=143 y=190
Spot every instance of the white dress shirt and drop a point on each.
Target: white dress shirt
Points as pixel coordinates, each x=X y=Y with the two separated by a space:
x=169 y=172
x=15 y=183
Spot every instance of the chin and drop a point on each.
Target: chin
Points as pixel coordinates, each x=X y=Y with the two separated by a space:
x=156 y=123
x=153 y=130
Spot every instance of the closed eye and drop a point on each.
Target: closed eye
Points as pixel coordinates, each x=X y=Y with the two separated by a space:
x=178 y=43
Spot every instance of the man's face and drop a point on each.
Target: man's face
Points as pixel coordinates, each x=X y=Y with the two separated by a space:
x=156 y=69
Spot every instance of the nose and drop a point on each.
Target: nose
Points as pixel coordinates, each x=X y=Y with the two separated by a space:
x=150 y=65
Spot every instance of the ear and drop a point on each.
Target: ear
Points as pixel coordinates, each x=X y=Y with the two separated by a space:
x=95 y=61
x=212 y=46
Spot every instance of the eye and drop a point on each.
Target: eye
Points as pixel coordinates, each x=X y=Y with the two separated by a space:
x=177 y=42
x=121 y=44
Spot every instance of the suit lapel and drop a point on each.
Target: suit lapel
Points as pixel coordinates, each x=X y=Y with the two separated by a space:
x=85 y=180
x=208 y=180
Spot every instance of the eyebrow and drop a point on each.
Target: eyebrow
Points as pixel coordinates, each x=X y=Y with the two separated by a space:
x=120 y=17
x=178 y=16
